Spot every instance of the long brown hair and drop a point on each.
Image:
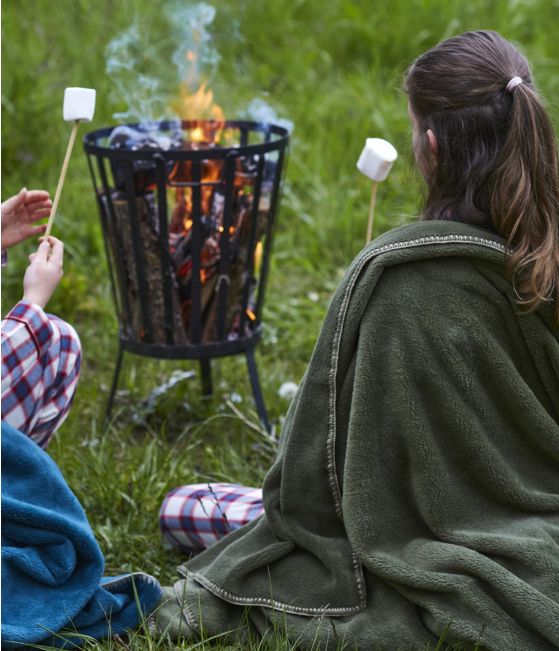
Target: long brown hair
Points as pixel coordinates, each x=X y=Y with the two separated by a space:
x=495 y=163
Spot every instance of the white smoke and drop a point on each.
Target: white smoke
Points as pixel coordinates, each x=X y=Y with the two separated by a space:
x=260 y=111
x=139 y=61
x=130 y=62
x=188 y=26
x=145 y=67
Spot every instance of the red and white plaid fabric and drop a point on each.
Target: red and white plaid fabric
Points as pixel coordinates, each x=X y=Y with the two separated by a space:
x=41 y=356
x=196 y=516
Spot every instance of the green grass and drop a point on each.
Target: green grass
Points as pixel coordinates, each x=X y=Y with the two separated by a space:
x=334 y=68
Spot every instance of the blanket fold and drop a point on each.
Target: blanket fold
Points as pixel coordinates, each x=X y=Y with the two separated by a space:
x=416 y=488
x=52 y=566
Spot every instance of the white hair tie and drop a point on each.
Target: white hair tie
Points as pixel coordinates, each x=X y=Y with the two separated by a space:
x=513 y=83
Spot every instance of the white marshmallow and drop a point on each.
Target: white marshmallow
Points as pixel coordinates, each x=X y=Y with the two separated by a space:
x=376 y=159
x=79 y=104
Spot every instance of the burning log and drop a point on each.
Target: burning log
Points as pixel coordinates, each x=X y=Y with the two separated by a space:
x=147 y=234
x=179 y=257
x=212 y=232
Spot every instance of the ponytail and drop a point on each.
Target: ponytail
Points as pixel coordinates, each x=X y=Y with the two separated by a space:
x=525 y=200
x=496 y=162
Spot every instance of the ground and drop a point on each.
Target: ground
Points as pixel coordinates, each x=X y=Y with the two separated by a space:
x=335 y=70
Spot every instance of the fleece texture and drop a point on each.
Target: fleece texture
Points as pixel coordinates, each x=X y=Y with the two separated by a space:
x=52 y=566
x=416 y=487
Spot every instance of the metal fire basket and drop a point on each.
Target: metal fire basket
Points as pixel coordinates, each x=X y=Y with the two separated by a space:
x=188 y=224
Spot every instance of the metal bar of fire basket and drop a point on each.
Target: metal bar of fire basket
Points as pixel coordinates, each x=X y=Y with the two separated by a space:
x=163 y=240
x=115 y=241
x=251 y=244
x=224 y=279
x=269 y=233
x=196 y=249
x=137 y=246
x=103 y=214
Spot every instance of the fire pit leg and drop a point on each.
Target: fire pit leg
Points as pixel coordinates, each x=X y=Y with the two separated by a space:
x=115 y=383
x=206 y=371
x=256 y=390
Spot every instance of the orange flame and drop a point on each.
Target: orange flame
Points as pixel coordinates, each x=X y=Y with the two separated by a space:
x=208 y=126
x=197 y=106
x=200 y=105
x=182 y=172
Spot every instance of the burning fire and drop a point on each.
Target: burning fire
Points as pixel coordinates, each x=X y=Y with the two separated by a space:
x=208 y=124
x=200 y=105
x=197 y=106
x=217 y=187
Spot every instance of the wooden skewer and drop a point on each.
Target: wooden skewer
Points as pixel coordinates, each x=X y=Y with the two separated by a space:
x=62 y=177
x=371 y=212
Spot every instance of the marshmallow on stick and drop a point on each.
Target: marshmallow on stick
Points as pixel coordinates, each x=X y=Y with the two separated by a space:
x=375 y=161
x=79 y=106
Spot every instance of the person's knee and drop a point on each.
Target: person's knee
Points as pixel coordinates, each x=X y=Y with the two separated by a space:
x=69 y=344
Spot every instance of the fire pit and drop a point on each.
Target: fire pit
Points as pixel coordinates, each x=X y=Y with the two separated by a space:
x=187 y=212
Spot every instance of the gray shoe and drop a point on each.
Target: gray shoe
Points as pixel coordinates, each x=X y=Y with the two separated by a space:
x=172 y=617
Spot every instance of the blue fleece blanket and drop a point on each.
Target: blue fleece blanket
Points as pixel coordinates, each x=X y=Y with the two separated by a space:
x=52 y=566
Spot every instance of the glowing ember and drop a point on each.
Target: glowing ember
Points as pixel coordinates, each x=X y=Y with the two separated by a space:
x=257 y=257
x=231 y=230
x=197 y=135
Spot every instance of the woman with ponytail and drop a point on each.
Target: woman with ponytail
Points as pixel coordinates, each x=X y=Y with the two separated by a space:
x=487 y=148
x=415 y=494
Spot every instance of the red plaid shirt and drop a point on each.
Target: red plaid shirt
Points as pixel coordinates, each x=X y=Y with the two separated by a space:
x=41 y=357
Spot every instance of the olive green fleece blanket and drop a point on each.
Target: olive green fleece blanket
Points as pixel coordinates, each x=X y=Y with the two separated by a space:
x=416 y=488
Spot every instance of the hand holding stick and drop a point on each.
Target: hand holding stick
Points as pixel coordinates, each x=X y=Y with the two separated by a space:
x=79 y=106
x=44 y=272
x=375 y=162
